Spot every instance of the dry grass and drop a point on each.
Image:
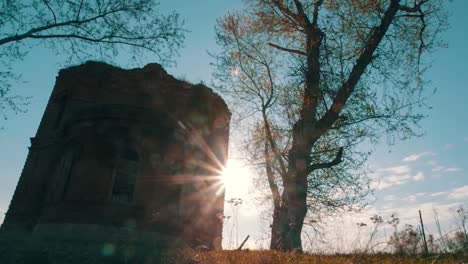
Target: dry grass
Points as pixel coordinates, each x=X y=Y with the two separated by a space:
x=35 y=251
x=266 y=257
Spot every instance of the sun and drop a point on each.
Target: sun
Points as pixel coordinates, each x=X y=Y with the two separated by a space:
x=236 y=178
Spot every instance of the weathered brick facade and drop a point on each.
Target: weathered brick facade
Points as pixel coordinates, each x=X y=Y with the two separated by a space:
x=124 y=151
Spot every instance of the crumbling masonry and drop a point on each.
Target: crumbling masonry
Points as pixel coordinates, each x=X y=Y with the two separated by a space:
x=125 y=151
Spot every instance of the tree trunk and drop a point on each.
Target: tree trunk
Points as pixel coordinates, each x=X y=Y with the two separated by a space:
x=296 y=212
x=287 y=224
x=275 y=241
x=279 y=228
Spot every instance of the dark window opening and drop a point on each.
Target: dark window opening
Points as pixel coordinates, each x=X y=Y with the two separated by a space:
x=125 y=173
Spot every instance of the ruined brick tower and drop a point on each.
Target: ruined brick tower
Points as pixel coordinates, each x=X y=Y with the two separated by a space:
x=125 y=151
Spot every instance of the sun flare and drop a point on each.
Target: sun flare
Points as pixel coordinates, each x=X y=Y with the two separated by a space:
x=236 y=178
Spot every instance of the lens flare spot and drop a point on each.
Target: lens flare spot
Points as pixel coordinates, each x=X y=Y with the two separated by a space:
x=108 y=250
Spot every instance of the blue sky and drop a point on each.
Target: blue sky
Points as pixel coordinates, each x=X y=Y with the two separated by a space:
x=421 y=173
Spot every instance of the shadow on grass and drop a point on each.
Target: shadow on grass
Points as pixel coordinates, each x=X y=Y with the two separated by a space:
x=45 y=251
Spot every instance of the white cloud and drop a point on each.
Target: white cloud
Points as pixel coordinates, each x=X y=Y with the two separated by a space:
x=399 y=179
x=444 y=211
x=418 y=177
x=397 y=169
x=438 y=168
x=452 y=169
x=411 y=198
x=438 y=194
x=459 y=193
x=414 y=197
x=415 y=157
x=411 y=158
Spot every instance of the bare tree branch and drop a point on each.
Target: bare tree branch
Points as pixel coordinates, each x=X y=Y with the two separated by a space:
x=337 y=160
x=288 y=50
x=79 y=28
x=362 y=62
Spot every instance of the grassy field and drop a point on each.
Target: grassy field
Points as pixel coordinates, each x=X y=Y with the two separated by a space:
x=58 y=252
x=264 y=257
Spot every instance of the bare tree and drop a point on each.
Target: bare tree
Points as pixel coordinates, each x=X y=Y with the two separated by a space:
x=248 y=71
x=346 y=72
x=80 y=29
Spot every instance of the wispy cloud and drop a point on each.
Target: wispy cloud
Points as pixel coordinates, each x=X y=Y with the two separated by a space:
x=436 y=194
x=445 y=169
x=465 y=139
x=459 y=193
x=399 y=179
x=453 y=169
x=416 y=196
x=411 y=198
x=415 y=157
x=396 y=170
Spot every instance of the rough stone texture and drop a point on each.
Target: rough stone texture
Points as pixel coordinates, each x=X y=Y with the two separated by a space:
x=125 y=151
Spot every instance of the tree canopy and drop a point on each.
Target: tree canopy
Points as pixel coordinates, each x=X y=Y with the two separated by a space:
x=81 y=29
x=315 y=79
